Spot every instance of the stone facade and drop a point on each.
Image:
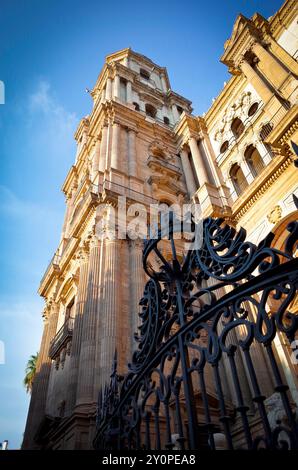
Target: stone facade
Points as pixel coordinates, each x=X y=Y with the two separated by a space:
x=142 y=141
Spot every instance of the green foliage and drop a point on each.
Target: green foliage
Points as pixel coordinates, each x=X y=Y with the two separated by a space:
x=30 y=372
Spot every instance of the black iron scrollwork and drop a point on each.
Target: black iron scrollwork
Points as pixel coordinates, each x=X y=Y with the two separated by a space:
x=216 y=326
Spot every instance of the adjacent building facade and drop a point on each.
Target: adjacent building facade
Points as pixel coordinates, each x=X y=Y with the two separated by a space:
x=142 y=142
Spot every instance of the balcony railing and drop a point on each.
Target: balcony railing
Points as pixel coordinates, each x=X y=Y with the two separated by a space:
x=61 y=338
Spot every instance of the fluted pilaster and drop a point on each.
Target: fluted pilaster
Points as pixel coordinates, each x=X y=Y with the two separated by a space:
x=103 y=149
x=128 y=92
x=132 y=155
x=96 y=158
x=115 y=146
x=40 y=386
x=109 y=89
x=88 y=338
x=117 y=87
x=111 y=308
x=137 y=283
x=187 y=170
x=198 y=161
x=77 y=331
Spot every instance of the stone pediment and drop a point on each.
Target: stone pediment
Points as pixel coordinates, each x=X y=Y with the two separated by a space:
x=240 y=23
x=243 y=34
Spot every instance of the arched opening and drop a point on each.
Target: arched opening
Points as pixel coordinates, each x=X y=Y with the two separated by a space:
x=237 y=127
x=224 y=147
x=266 y=129
x=145 y=74
x=238 y=179
x=150 y=110
x=136 y=105
x=253 y=109
x=254 y=160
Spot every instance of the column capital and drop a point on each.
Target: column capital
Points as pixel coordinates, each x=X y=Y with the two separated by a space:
x=83 y=251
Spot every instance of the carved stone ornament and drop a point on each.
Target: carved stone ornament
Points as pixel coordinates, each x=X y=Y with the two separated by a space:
x=275 y=215
x=238 y=109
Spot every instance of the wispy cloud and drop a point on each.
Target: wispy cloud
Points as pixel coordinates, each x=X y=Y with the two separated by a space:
x=43 y=102
x=50 y=126
x=13 y=206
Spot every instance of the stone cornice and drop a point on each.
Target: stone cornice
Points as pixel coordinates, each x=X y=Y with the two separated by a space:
x=69 y=180
x=82 y=127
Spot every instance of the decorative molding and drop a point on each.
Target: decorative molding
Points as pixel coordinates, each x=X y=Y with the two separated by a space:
x=275 y=215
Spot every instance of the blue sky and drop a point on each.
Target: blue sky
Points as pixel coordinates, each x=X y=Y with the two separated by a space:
x=50 y=51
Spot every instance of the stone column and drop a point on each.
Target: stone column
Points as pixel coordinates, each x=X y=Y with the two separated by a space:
x=103 y=148
x=95 y=161
x=67 y=214
x=284 y=56
x=189 y=178
x=117 y=87
x=132 y=156
x=109 y=89
x=265 y=153
x=85 y=390
x=99 y=324
x=128 y=92
x=77 y=330
x=103 y=95
x=111 y=308
x=255 y=80
x=275 y=72
x=175 y=113
x=115 y=146
x=198 y=161
x=41 y=381
x=137 y=284
x=71 y=208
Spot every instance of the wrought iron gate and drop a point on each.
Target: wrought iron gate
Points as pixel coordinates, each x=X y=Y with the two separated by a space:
x=211 y=328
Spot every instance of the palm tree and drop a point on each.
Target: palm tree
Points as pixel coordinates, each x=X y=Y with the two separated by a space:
x=30 y=372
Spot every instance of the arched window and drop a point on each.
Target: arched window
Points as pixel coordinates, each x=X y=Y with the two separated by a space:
x=145 y=74
x=224 y=147
x=123 y=96
x=238 y=179
x=150 y=110
x=254 y=160
x=237 y=127
x=166 y=120
x=266 y=130
x=136 y=105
